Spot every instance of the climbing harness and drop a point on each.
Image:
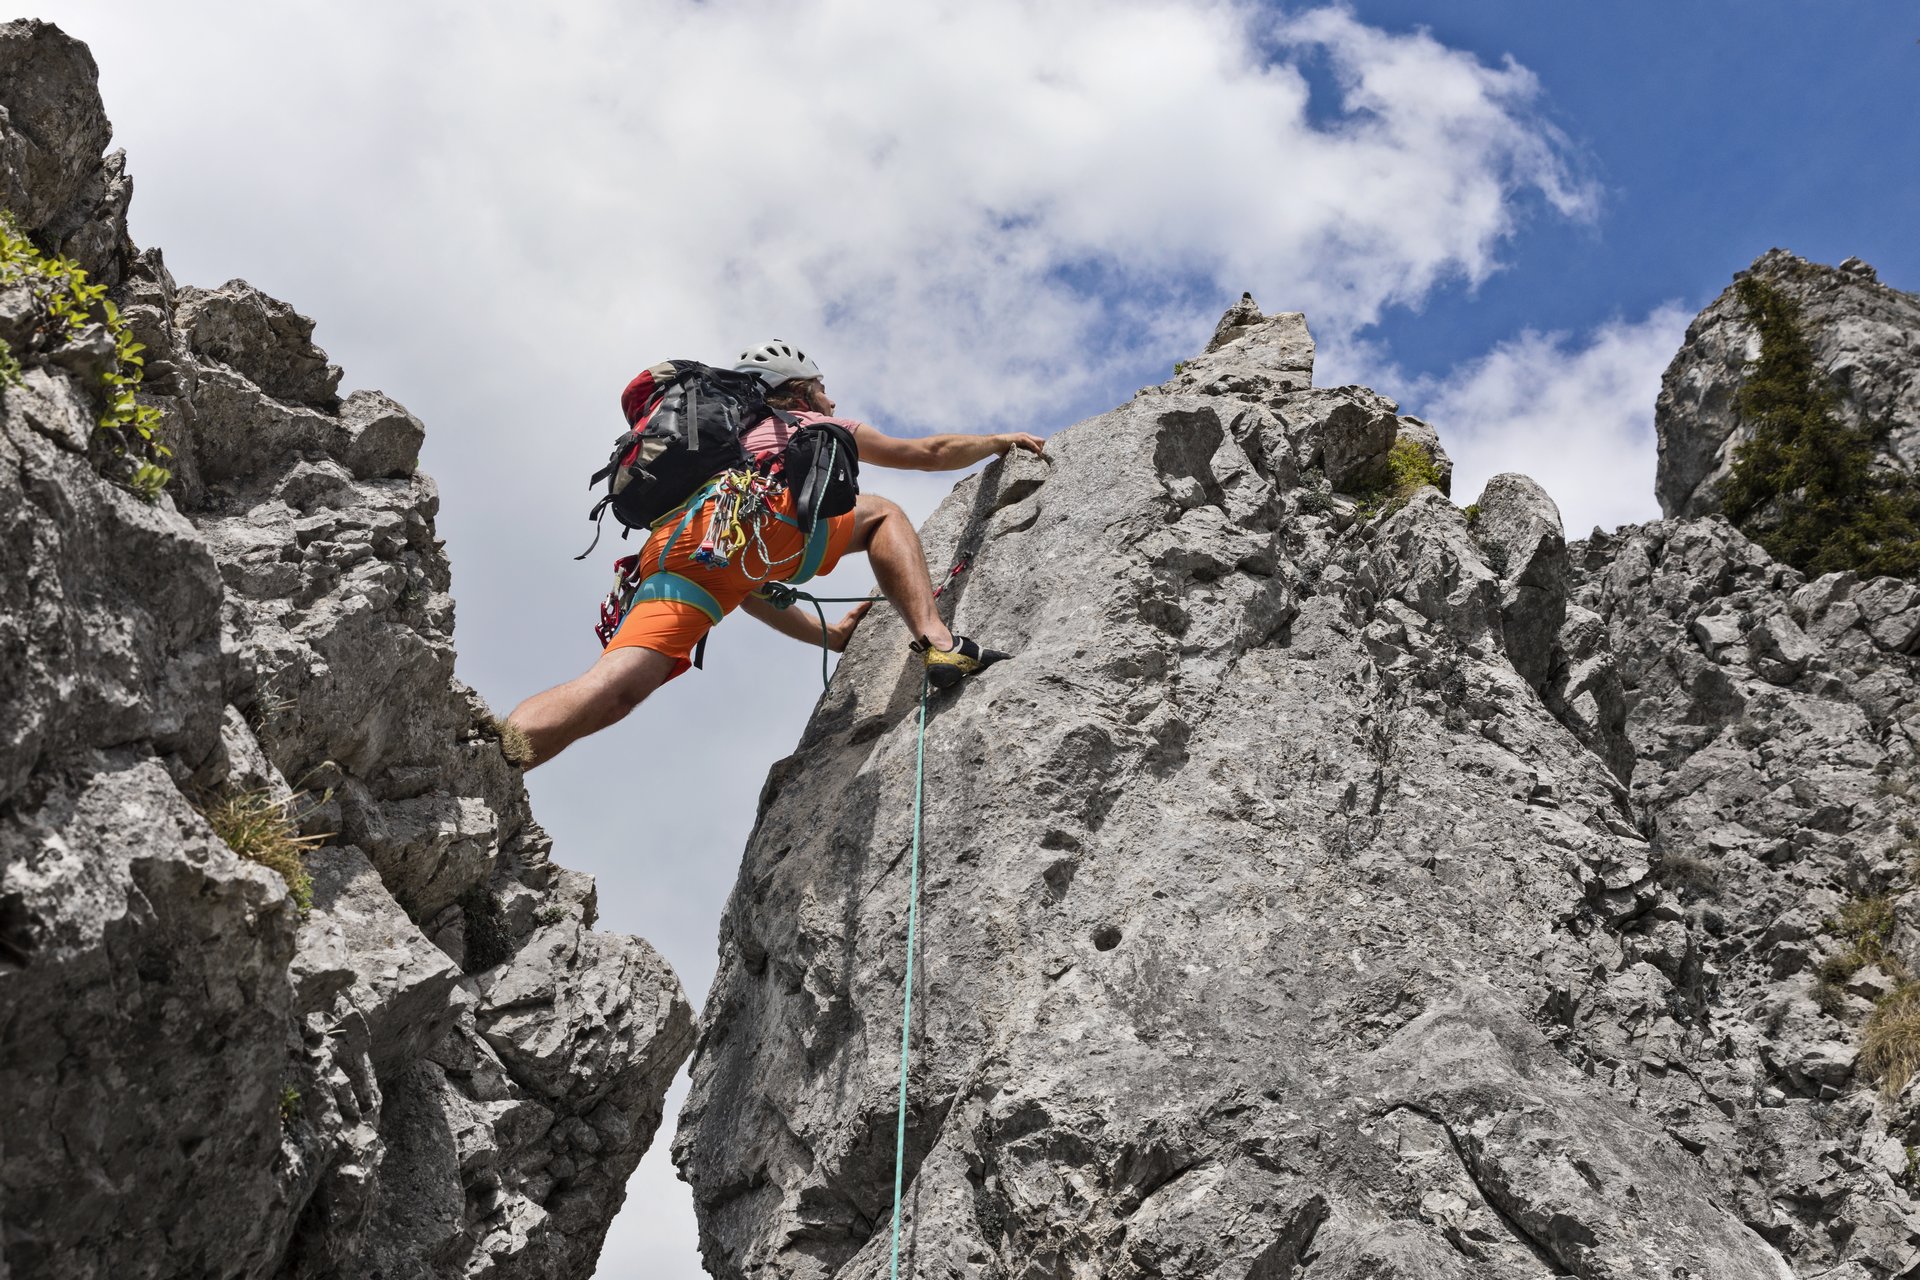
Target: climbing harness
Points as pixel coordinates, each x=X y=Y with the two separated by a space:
x=906 y=1003
x=741 y=507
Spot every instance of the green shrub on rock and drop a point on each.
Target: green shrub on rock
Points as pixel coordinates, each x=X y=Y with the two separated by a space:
x=488 y=940
x=1409 y=468
x=1804 y=485
x=126 y=445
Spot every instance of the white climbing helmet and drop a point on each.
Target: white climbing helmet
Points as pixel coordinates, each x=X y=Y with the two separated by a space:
x=776 y=361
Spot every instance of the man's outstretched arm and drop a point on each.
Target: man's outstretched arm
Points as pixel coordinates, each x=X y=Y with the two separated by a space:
x=799 y=621
x=942 y=452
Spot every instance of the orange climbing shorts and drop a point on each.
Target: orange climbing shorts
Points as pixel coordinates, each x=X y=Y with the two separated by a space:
x=680 y=599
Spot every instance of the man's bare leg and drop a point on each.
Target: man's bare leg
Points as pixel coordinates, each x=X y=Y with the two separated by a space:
x=882 y=530
x=611 y=687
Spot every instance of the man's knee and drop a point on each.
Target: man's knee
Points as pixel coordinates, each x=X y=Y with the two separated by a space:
x=627 y=675
x=870 y=511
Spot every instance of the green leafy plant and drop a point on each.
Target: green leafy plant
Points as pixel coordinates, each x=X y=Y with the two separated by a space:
x=262 y=828
x=551 y=914
x=291 y=1108
x=127 y=446
x=1409 y=468
x=1804 y=485
x=1316 y=495
x=1472 y=512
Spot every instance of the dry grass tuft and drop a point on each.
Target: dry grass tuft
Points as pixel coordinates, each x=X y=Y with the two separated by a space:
x=514 y=744
x=1868 y=923
x=262 y=828
x=1891 y=1047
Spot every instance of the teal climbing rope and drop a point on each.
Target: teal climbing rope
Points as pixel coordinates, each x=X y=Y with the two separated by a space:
x=782 y=596
x=906 y=1003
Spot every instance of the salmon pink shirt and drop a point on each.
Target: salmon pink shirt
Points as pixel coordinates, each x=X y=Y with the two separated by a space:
x=768 y=437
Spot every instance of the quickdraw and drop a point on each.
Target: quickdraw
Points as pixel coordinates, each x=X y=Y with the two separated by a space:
x=739 y=504
x=960 y=566
x=613 y=610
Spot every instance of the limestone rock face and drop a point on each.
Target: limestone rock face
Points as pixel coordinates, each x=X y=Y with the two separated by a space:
x=1324 y=893
x=1864 y=334
x=1518 y=525
x=52 y=132
x=1249 y=350
x=261 y=338
x=438 y=1070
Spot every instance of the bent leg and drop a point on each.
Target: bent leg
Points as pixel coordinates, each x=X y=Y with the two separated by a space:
x=611 y=687
x=892 y=544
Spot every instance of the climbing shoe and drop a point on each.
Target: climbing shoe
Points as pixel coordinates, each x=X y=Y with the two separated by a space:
x=948 y=667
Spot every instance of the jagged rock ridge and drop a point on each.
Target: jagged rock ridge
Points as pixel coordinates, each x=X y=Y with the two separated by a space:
x=1329 y=896
x=195 y=1079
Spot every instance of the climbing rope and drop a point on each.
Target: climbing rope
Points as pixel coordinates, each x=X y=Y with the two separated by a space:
x=906 y=1004
x=782 y=596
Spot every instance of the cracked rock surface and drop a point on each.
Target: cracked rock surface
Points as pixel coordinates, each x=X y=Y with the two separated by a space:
x=1324 y=894
x=196 y=1078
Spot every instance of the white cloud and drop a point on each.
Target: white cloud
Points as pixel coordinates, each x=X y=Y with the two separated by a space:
x=1577 y=417
x=920 y=192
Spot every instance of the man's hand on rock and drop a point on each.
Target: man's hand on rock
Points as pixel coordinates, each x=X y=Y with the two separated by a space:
x=842 y=631
x=1019 y=440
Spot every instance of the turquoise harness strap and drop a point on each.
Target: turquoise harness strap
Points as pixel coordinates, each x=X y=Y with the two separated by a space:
x=906 y=1010
x=671 y=586
x=815 y=553
x=816 y=549
x=692 y=505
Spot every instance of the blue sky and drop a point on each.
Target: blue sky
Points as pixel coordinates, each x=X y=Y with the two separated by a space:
x=987 y=215
x=1717 y=130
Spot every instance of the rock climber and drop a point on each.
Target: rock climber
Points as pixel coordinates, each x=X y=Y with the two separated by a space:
x=656 y=637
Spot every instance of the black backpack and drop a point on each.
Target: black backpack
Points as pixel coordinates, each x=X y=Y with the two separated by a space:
x=822 y=468
x=684 y=423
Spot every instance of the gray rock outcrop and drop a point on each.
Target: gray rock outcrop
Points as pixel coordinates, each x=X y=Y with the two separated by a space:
x=1328 y=887
x=1865 y=336
x=438 y=1070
